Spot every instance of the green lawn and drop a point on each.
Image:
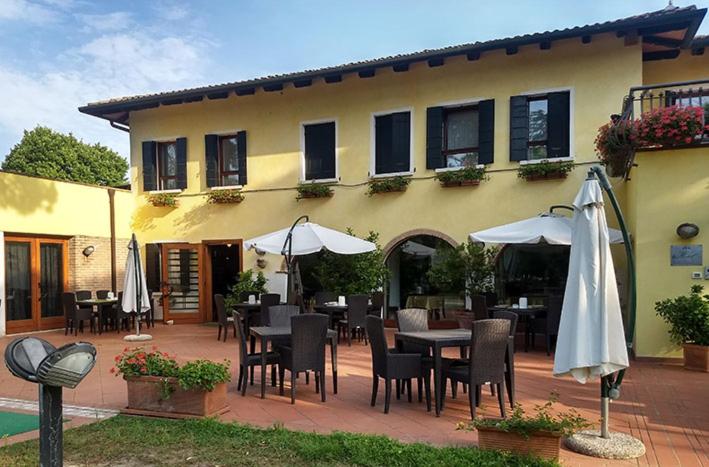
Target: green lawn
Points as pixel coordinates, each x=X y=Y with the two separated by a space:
x=143 y=441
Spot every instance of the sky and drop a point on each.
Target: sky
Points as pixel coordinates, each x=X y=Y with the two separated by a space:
x=56 y=55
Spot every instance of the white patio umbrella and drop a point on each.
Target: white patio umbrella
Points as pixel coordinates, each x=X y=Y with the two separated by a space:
x=135 y=289
x=307 y=238
x=547 y=227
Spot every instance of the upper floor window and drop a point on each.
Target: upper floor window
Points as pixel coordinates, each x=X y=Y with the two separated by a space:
x=319 y=148
x=165 y=165
x=225 y=158
x=540 y=126
x=460 y=136
x=392 y=143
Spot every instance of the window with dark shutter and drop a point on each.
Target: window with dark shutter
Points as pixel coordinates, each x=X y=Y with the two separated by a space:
x=150 y=177
x=519 y=128
x=486 y=131
x=228 y=160
x=167 y=165
x=319 y=151
x=558 y=121
x=392 y=143
x=241 y=154
x=211 y=154
x=540 y=126
x=434 y=138
x=181 y=172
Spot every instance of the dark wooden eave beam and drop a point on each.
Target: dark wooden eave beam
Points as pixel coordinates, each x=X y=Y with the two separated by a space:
x=368 y=73
x=586 y=39
x=273 y=87
x=631 y=38
x=698 y=51
x=302 y=83
x=545 y=45
x=245 y=91
x=199 y=98
x=218 y=95
x=434 y=62
x=473 y=56
x=400 y=67
x=333 y=79
x=660 y=55
x=172 y=101
x=663 y=41
x=511 y=50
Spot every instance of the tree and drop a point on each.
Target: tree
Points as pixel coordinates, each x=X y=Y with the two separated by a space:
x=363 y=273
x=469 y=268
x=46 y=153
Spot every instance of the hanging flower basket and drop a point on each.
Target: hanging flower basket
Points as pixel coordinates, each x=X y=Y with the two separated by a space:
x=616 y=143
x=225 y=197
x=388 y=185
x=545 y=170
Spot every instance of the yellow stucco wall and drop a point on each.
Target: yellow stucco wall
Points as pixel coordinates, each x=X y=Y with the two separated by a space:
x=686 y=67
x=598 y=73
x=31 y=205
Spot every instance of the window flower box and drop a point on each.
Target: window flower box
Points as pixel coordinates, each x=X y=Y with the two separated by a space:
x=314 y=190
x=467 y=176
x=388 y=185
x=163 y=200
x=225 y=197
x=545 y=170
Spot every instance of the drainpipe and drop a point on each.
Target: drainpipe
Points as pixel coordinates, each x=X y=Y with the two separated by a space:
x=112 y=217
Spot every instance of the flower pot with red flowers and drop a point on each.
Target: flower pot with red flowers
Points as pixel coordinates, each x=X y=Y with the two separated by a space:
x=538 y=435
x=671 y=126
x=688 y=317
x=158 y=386
x=616 y=143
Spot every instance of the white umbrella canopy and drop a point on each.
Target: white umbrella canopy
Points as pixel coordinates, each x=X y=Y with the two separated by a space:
x=310 y=238
x=591 y=340
x=134 y=283
x=550 y=228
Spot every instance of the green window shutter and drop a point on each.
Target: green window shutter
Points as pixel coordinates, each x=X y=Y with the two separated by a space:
x=181 y=144
x=486 y=131
x=211 y=154
x=319 y=151
x=558 y=124
x=241 y=154
x=519 y=128
x=434 y=138
x=150 y=176
x=401 y=142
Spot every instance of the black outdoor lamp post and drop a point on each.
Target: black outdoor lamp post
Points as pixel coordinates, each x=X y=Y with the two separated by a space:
x=38 y=361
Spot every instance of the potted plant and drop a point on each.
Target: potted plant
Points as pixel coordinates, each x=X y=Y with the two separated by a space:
x=388 y=185
x=158 y=386
x=671 y=126
x=163 y=200
x=246 y=283
x=466 y=176
x=616 y=143
x=314 y=190
x=545 y=170
x=538 y=434
x=688 y=317
x=225 y=196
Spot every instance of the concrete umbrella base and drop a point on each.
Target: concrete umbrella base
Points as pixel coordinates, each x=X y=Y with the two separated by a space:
x=618 y=446
x=138 y=338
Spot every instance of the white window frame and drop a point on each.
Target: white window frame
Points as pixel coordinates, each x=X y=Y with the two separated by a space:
x=224 y=133
x=337 y=150
x=572 y=141
x=162 y=139
x=373 y=143
x=452 y=105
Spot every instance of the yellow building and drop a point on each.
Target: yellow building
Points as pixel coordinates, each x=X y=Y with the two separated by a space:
x=502 y=105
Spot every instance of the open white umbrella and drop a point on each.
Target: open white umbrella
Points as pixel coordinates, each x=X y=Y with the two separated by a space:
x=135 y=289
x=307 y=238
x=547 y=227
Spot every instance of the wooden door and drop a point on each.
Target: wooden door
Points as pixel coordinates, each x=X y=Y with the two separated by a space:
x=181 y=266
x=36 y=275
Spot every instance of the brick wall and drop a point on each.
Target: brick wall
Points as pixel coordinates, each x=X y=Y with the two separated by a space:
x=94 y=272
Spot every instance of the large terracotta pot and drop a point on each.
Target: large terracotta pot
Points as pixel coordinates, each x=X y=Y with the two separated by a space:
x=696 y=357
x=146 y=397
x=541 y=444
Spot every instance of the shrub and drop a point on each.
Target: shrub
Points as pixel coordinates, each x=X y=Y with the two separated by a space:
x=203 y=375
x=671 y=126
x=225 y=196
x=386 y=185
x=462 y=175
x=313 y=190
x=163 y=199
x=469 y=268
x=688 y=317
x=544 y=168
x=245 y=283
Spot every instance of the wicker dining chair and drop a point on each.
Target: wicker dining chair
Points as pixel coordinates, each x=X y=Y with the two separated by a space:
x=280 y=315
x=486 y=364
x=549 y=324
x=390 y=364
x=249 y=360
x=323 y=297
x=479 y=307
x=357 y=306
x=102 y=294
x=223 y=319
x=510 y=354
x=413 y=320
x=377 y=307
x=306 y=352
x=76 y=314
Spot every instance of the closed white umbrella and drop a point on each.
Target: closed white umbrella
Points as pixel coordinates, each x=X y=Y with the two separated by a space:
x=135 y=288
x=548 y=227
x=591 y=340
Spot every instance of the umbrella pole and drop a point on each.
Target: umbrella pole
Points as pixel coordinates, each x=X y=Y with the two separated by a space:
x=605 y=408
x=287 y=251
x=138 y=291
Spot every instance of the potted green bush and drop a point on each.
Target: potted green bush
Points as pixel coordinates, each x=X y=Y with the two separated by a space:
x=538 y=434
x=388 y=185
x=466 y=176
x=616 y=143
x=158 y=386
x=314 y=190
x=688 y=317
x=163 y=199
x=545 y=170
x=225 y=196
x=246 y=283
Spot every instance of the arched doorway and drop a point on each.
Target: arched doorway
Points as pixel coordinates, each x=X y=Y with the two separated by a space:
x=409 y=258
x=534 y=271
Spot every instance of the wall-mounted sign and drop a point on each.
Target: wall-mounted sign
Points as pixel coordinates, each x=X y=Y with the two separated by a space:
x=686 y=255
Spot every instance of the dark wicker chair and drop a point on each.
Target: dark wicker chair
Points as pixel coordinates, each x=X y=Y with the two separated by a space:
x=413 y=320
x=389 y=364
x=357 y=306
x=69 y=307
x=548 y=325
x=280 y=315
x=377 y=307
x=267 y=301
x=249 y=360
x=479 y=307
x=324 y=297
x=306 y=352
x=123 y=319
x=486 y=363
x=510 y=354
x=76 y=314
x=223 y=320
x=102 y=294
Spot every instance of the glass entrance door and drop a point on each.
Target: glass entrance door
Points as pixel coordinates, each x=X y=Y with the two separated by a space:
x=181 y=266
x=35 y=278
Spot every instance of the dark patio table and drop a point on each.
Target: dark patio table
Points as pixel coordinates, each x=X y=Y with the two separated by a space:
x=437 y=340
x=269 y=333
x=330 y=311
x=99 y=303
x=526 y=315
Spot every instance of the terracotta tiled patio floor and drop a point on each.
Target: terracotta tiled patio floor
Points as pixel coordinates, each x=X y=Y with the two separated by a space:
x=662 y=404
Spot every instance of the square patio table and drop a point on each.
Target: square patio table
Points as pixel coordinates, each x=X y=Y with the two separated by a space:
x=437 y=340
x=269 y=333
x=526 y=315
x=99 y=303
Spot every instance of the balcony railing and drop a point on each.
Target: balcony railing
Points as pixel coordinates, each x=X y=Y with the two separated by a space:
x=642 y=99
